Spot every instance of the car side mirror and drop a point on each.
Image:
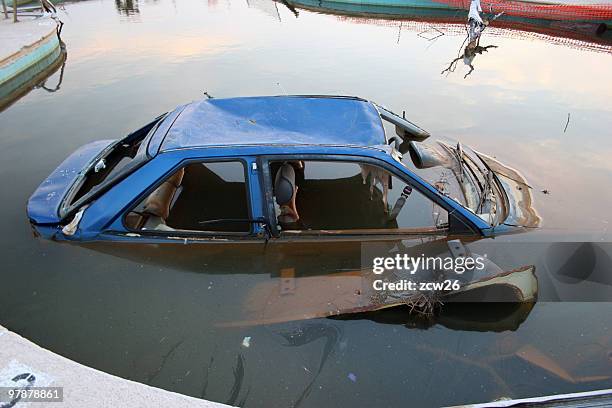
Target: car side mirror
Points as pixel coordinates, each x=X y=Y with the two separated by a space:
x=399 y=144
x=395 y=141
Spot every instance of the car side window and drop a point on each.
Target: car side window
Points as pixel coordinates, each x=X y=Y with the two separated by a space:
x=341 y=195
x=202 y=196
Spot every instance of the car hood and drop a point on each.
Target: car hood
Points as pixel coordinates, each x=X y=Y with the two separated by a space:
x=44 y=204
x=521 y=211
x=465 y=172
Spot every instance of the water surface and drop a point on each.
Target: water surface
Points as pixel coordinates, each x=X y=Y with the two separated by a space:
x=158 y=324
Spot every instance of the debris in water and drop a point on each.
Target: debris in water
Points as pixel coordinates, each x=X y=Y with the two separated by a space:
x=537 y=358
x=431 y=34
x=567 y=123
x=352 y=377
x=246 y=342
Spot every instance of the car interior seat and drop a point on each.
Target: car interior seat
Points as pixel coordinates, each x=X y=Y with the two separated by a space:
x=285 y=191
x=157 y=205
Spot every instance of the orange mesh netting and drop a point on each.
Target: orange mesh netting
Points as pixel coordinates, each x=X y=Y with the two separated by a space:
x=554 y=34
x=567 y=12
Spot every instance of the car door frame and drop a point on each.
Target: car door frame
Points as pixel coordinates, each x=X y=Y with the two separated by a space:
x=157 y=171
x=454 y=213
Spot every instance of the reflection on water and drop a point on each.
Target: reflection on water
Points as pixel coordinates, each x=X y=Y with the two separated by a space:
x=155 y=314
x=583 y=35
x=43 y=85
x=469 y=54
x=38 y=80
x=476 y=24
x=308 y=333
x=127 y=7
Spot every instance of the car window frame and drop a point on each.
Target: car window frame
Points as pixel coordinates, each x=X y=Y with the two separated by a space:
x=68 y=207
x=237 y=235
x=268 y=197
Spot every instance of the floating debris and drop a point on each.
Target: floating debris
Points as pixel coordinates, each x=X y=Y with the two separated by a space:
x=246 y=342
x=431 y=34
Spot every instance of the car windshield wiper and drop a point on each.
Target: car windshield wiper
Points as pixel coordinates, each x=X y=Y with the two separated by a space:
x=486 y=188
x=461 y=160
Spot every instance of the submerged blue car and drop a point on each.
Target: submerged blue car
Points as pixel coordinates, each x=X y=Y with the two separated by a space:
x=278 y=168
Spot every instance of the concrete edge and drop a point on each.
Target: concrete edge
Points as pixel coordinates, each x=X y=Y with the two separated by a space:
x=82 y=386
x=27 y=48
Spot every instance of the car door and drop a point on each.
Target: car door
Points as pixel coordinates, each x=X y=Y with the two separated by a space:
x=350 y=209
x=201 y=214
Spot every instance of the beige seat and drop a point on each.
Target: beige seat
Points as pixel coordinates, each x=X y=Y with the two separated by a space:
x=157 y=204
x=285 y=190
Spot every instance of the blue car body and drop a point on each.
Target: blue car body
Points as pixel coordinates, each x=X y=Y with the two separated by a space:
x=252 y=130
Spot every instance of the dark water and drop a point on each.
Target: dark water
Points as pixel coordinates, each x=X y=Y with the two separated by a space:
x=156 y=323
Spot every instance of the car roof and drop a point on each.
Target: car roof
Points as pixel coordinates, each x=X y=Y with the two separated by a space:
x=271 y=120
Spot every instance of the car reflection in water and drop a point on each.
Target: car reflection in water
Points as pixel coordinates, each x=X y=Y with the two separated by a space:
x=319 y=208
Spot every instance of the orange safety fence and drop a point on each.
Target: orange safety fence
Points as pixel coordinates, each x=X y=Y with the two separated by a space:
x=562 y=12
x=553 y=34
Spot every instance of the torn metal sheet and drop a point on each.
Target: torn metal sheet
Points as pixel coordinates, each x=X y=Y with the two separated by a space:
x=71 y=228
x=353 y=292
x=495 y=192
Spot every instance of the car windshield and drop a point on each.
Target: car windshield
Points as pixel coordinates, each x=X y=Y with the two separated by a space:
x=113 y=163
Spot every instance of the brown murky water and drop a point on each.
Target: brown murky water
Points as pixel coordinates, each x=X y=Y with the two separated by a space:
x=155 y=316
